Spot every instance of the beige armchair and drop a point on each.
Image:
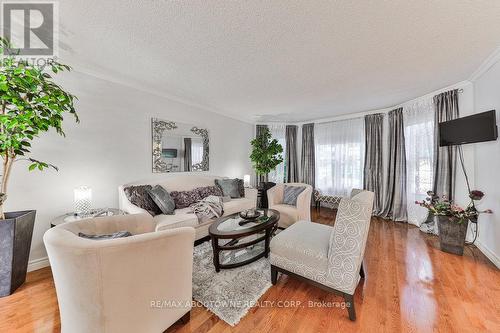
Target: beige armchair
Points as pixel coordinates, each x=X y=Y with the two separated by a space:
x=140 y=283
x=290 y=214
x=328 y=257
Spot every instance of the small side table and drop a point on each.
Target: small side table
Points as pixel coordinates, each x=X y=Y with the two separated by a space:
x=100 y=212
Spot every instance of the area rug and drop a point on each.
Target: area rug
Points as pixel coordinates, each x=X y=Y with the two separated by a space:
x=232 y=292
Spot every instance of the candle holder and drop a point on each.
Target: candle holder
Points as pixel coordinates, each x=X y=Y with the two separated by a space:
x=83 y=200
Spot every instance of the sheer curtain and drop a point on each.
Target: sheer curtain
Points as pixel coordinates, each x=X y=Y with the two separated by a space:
x=418 y=119
x=339 y=155
x=278 y=132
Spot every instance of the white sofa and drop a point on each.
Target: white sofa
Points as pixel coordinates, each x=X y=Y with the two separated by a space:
x=114 y=285
x=183 y=217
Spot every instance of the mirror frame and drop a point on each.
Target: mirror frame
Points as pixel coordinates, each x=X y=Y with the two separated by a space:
x=158 y=126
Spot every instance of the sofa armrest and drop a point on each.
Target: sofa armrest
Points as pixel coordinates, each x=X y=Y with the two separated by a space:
x=251 y=193
x=304 y=204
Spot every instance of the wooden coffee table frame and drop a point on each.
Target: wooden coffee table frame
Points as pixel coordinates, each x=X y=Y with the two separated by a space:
x=269 y=227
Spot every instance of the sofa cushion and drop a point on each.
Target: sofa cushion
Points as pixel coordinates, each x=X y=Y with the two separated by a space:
x=238 y=205
x=139 y=196
x=162 y=199
x=185 y=199
x=305 y=243
x=181 y=218
x=229 y=187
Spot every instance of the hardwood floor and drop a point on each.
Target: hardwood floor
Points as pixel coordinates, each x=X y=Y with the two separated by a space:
x=410 y=286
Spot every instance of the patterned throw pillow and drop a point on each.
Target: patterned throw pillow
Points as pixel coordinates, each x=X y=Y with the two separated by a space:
x=139 y=196
x=118 y=234
x=290 y=194
x=241 y=187
x=185 y=199
x=209 y=190
x=229 y=187
x=162 y=199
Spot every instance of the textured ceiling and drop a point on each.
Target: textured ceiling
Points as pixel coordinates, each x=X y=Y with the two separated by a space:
x=281 y=60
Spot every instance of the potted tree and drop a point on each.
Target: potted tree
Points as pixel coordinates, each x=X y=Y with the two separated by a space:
x=452 y=220
x=30 y=104
x=265 y=156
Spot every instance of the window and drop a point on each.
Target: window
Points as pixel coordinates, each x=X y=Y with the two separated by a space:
x=278 y=132
x=418 y=119
x=340 y=153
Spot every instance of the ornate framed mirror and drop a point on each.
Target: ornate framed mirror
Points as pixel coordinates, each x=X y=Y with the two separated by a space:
x=179 y=147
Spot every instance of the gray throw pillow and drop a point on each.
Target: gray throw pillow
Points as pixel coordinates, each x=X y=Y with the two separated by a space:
x=162 y=199
x=290 y=194
x=118 y=234
x=229 y=187
x=138 y=195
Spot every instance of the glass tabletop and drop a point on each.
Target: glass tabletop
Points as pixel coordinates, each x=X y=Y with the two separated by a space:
x=236 y=223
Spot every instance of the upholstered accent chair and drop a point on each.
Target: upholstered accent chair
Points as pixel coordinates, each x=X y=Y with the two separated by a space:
x=121 y=285
x=290 y=214
x=328 y=257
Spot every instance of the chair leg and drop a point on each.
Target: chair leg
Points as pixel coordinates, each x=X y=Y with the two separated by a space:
x=362 y=271
x=185 y=319
x=274 y=275
x=349 y=299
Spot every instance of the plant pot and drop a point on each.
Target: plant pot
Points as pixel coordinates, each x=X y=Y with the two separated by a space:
x=451 y=234
x=15 y=243
x=263 y=187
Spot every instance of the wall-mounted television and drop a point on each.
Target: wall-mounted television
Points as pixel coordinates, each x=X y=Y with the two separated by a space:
x=169 y=153
x=476 y=128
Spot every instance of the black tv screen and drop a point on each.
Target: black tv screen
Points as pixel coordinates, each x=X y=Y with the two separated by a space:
x=476 y=128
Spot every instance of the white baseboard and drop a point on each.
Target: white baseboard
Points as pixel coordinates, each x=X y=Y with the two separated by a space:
x=488 y=253
x=35 y=264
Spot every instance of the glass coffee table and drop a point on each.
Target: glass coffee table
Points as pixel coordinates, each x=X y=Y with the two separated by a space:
x=237 y=241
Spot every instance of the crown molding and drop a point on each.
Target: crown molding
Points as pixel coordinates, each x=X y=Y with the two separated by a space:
x=491 y=60
x=155 y=92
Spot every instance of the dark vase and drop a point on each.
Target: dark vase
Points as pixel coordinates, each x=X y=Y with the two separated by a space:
x=451 y=234
x=262 y=188
x=16 y=232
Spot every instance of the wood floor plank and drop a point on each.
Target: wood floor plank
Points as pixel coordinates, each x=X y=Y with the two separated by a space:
x=410 y=286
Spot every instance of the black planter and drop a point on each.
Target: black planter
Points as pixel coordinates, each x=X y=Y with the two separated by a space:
x=15 y=243
x=262 y=193
x=451 y=234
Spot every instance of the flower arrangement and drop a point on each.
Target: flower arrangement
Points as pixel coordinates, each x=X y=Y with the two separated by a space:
x=441 y=206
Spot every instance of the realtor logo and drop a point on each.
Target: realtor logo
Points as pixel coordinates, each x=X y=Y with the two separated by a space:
x=30 y=27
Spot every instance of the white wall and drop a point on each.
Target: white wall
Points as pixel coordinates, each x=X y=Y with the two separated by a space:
x=487 y=165
x=111 y=146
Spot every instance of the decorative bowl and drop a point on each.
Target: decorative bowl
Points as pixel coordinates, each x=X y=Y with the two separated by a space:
x=250 y=214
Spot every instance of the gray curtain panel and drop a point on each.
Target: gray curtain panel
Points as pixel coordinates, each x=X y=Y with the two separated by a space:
x=395 y=200
x=445 y=158
x=373 y=159
x=307 y=159
x=291 y=159
x=258 y=131
x=188 y=161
